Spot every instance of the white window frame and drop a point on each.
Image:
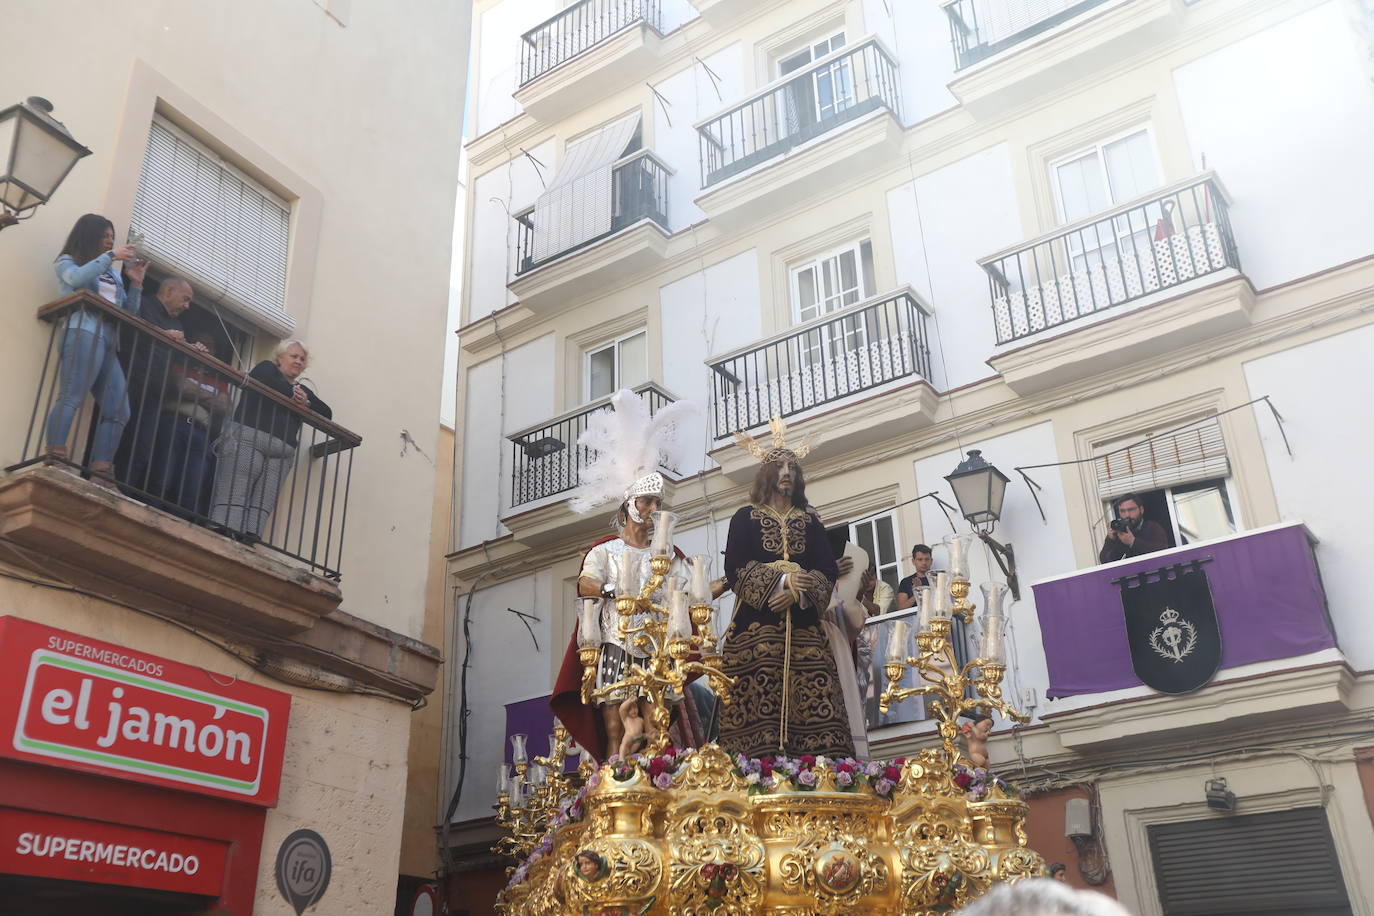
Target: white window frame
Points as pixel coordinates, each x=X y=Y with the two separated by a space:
x=1232 y=504
x=871 y=521
x=817 y=263
x=615 y=344
x=1079 y=253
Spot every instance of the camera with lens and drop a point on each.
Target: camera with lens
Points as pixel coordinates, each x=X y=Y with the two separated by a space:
x=1120 y=524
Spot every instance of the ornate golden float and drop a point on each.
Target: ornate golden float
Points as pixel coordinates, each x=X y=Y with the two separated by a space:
x=701 y=834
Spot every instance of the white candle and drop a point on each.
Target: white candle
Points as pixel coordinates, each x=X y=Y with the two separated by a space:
x=589 y=624
x=662 y=545
x=927 y=606
x=994 y=596
x=503 y=780
x=958 y=558
x=679 y=620
x=993 y=646
x=701 y=581
x=941 y=608
x=517 y=748
x=674 y=584
x=627 y=580
x=896 y=642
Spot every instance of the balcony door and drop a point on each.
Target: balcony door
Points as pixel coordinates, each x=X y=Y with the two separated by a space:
x=616 y=364
x=829 y=283
x=1099 y=178
x=829 y=91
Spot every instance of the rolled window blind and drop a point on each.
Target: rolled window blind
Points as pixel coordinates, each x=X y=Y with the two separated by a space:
x=210 y=223
x=1188 y=455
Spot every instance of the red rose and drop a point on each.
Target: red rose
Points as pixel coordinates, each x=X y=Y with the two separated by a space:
x=893 y=773
x=657 y=766
x=963 y=780
x=899 y=761
x=766 y=766
x=845 y=768
x=807 y=760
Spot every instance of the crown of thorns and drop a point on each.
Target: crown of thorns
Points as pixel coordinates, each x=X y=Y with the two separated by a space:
x=780 y=451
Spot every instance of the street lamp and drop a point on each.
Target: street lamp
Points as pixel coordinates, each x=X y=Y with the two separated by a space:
x=36 y=153
x=979 y=489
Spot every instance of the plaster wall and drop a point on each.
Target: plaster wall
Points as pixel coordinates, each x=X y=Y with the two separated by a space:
x=1316 y=484
x=344 y=774
x=1310 y=120
x=918 y=33
x=492 y=244
x=941 y=223
x=497 y=50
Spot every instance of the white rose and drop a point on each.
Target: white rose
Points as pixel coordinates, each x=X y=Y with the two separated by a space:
x=752 y=778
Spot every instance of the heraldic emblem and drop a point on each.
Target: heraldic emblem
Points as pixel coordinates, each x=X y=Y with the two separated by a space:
x=1171 y=626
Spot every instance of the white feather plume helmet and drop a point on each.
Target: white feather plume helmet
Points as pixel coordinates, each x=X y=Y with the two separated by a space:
x=629 y=444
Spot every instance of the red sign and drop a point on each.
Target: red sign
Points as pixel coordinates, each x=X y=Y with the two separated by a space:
x=74 y=849
x=74 y=702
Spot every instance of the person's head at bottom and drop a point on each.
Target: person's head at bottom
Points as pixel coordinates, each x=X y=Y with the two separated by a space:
x=1059 y=872
x=1042 y=897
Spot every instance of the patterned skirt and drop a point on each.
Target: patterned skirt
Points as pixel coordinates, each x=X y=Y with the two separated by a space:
x=752 y=723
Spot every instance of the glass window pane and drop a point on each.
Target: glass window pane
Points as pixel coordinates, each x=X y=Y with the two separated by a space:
x=866 y=257
x=1080 y=187
x=862 y=533
x=1202 y=511
x=634 y=368
x=806 y=293
x=887 y=542
x=1130 y=166
x=794 y=62
x=600 y=373
x=849 y=272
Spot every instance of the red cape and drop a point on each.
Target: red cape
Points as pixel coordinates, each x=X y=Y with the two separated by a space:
x=583 y=722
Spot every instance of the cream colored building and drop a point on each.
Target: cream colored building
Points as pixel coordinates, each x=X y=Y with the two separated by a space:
x=298 y=163
x=1048 y=231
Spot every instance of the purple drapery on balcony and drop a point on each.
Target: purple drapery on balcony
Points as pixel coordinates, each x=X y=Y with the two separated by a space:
x=1265 y=587
x=535 y=719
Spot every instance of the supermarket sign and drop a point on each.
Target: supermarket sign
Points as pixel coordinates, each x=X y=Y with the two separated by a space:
x=78 y=703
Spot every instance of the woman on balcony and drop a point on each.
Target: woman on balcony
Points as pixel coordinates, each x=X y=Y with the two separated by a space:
x=90 y=339
x=257 y=448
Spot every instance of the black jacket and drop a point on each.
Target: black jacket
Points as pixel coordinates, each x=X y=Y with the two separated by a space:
x=267 y=415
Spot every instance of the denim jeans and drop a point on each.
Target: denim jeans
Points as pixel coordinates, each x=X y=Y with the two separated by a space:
x=89 y=363
x=181 y=462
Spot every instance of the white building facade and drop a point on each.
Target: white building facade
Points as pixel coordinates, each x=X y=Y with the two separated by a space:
x=1122 y=245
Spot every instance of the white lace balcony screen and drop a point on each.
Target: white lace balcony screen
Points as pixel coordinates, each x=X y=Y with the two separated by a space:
x=206 y=221
x=576 y=205
x=1185 y=456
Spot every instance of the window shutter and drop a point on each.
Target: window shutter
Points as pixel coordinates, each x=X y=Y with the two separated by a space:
x=206 y=221
x=1276 y=862
x=1185 y=456
x=576 y=205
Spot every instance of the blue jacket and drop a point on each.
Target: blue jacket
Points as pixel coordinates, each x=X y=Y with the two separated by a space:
x=72 y=277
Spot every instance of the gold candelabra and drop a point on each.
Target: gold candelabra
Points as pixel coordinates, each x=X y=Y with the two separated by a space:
x=947 y=683
x=528 y=799
x=678 y=642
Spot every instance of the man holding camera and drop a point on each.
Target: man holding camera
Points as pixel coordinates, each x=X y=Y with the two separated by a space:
x=1131 y=534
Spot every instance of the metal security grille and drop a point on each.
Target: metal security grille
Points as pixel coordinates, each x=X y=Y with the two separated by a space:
x=1197 y=452
x=1277 y=862
x=204 y=220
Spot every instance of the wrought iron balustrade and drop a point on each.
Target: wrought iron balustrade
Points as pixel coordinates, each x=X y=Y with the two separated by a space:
x=579 y=28
x=580 y=213
x=834 y=90
x=1133 y=250
x=859 y=348
x=982 y=28
x=546 y=460
x=196 y=436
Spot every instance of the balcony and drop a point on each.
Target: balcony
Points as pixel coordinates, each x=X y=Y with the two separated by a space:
x=1012 y=52
x=795 y=135
x=1171 y=254
x=585 y=52
x=845 y=358
x=588 y=234
x=1278 y=650
x=545 y=463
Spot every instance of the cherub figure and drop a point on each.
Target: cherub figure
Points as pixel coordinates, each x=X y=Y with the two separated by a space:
x=976 y=737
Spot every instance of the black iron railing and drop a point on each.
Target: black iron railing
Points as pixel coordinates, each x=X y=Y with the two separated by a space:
x=579 y=28
x=546 y=461
x=1128 y=252
x=579 y=213
x=201 y=441
x=834 y=90
x=859 y=348
x=982 y=28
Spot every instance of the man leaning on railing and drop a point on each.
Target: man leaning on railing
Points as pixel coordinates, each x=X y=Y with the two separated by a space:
x=1131 y=534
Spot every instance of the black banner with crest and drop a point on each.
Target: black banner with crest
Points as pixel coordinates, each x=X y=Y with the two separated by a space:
x=1171 y=626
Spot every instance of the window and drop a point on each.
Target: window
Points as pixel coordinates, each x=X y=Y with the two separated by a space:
x=203 y=219
x=621 y=363
x=878 y=537
x=827 y=284
x=1094 y=180
x=1180 y=477
x=828 y=92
